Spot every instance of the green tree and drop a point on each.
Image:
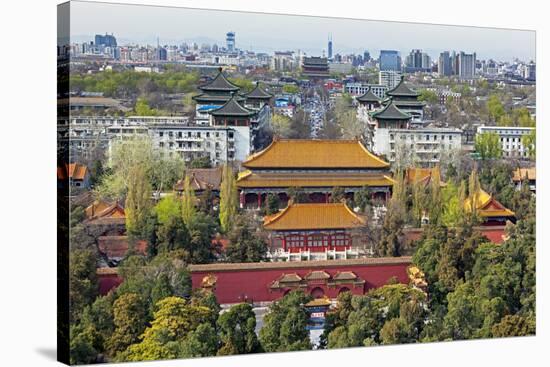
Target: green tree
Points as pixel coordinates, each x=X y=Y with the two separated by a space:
x=505 y=120
x=428 y=96
x=419 y=202
x=285 y=325
x=513 y=325
x=166 y=171
x=488 y=145
x=291 y=89
x=237 y=331
x=495 y=107
x=97 y=322
x=83 y=285
x=142 y=108
x=228 y=199
x=298 y=195
x=127 y=155
x=394 y=313
x=271 y=205
x=96 y=172
x=201 y=162
x=138 y=202
x=201 y=342
x=453 y=204
x=172 y=323
x=167 y=208
x=337 y=194
x=188 y=210
x=464 y=313
x=161 y=289
x=529 y=142
x=202 y=230
x=245 y=244
x=394 y=220
x=82 y=349
x=130 y=318
x=280 y=124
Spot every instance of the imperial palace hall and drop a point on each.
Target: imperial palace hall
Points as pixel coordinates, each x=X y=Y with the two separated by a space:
x=315 y=167
x=489 y=209
x=318 y=231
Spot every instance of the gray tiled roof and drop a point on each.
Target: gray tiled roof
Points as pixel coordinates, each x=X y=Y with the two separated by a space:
x=391 y=112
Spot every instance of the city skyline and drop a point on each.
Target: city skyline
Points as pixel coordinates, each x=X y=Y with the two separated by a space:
x=305 y=33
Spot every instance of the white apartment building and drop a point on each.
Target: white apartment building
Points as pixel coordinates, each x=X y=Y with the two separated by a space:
x=283 y=61
x=424 y=146
x=389 y=78
x=358 y=89
x=173 y=134
x=510 y=139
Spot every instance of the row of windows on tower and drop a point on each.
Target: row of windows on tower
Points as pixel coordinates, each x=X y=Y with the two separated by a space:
x=189 y=134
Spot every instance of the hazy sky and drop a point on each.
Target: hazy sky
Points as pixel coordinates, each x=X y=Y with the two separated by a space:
x=270 y=32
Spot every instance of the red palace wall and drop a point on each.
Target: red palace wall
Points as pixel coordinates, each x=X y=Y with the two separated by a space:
x=236 y=283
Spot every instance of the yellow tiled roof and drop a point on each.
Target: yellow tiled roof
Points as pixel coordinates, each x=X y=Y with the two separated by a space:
x=521 y=174
x=293 y=277
x=297 y=153
x=313 y=216
x=487 y=206
x=324 y=301
x=345 y=275
x=250 y=179
x=317 y=275
x=414 y=175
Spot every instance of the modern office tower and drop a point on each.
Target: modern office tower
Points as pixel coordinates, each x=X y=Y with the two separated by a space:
x=426 y=62
x=390 y=60
x=444 y=64
x=116 y=53
x=330 y=47
x=108 y=40
x=162 y=54
x=414 y=59
x=417 y=60
x=454 y=63
x=466 y=65
x=366 y=56
x=530 y=71
x=230 y=40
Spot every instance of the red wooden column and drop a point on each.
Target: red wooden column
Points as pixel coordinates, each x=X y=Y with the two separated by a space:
x=284 y=242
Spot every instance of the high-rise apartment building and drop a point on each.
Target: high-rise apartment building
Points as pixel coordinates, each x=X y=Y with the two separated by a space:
x=466 y=65
x=108 y=40
x=444 y=64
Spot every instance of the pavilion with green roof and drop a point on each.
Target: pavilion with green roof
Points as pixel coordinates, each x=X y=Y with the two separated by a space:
x=369 y=100
x=257 y=97
x=391 y=117
x=232 y=113
x=406 y=99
